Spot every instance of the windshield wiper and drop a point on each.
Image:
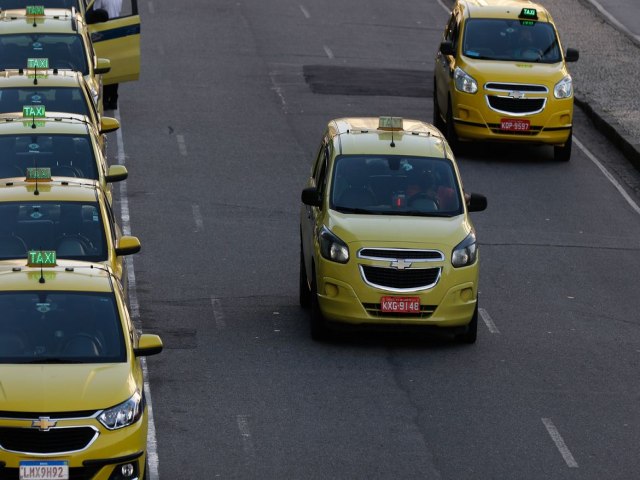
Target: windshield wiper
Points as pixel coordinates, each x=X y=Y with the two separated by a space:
x=53 y=360
x=355 y=210
x=418 y=213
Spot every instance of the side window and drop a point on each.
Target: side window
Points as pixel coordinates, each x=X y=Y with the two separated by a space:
x=320 y=174
x=104 y=10
x=110 y=220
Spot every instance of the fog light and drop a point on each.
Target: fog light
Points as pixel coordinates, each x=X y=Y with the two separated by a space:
x=466 y=294
x=127 y=470
x=331 y=290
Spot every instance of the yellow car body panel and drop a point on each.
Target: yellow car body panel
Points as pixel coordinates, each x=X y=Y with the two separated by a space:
x=515 y=99
x=51 y=396
x=119 y=41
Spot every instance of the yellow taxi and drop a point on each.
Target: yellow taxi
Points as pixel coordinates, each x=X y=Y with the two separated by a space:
x=386 y=238
x=73 y=397
x=72 y=217
x=69 y=146
x=61 y=91
x=500 y=74
x=60 y=39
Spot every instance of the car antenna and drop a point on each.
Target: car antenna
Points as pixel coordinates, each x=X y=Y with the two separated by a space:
x=42 y=280
x=35 y=162
x=392 y=142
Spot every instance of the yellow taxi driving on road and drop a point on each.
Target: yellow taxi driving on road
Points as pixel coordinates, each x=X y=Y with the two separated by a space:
x=73 y=398
x=61 y=91
x=386 y=237
x=72 y=217
x=70 y=146
x=500 y=74
x=44 y=39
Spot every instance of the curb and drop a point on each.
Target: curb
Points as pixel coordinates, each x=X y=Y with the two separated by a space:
x=610 y=128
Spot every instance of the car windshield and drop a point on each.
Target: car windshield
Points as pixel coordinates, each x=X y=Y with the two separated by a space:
x=65 y=155
x=510 y=40
x=74 y=230
x=63 y=51
x=395 y=185
x=55 y=99
x=60 y=327
x=20 y=4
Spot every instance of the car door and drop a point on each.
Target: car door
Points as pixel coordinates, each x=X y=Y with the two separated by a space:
x=445 y=64
x=118 y=39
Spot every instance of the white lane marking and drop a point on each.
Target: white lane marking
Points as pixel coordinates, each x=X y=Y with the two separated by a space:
x=152 y=8
x=197 y=217
x=182 y=146
x=152 y=443
x=305 y=12
x=486 y=318
x=612 y=19
x=446 y=9
x=562 y=447
x=328 y=52
x=218 y=314
x=606 y=173
x=278 y=91
x=247 y=441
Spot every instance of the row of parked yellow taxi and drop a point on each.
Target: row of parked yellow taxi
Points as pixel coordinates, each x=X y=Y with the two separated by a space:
x=72 y=399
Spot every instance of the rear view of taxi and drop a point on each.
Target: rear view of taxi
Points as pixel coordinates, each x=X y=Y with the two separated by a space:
x=500 y=75
x=73 y=400
x=385 y=233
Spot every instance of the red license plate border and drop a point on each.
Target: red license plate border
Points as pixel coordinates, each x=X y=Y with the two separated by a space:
x=515 y=124
x=394 y=304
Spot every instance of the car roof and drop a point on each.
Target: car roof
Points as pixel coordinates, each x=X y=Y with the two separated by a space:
x=46 y=78
x=68 y=275
x=361 y=136
x=501 y=9
x=65 y=123
x=80 y=190
x=55 y=20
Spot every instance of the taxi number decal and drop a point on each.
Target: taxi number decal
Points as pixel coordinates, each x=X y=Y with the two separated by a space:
x=512 y=124
x=400 y=304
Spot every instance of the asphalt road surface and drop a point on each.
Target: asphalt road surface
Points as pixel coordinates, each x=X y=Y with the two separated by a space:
x=219 y=135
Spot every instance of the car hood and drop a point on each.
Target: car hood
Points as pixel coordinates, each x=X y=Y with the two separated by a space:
x=515 y=72
x=400 y=231
x=64 y=387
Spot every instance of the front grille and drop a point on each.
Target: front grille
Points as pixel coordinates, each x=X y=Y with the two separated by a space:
x=56 y=440
x=401 y=279
x=516 y=106
x=373 y=309
x=376 y=253
x=516 y=87
x=75 y=473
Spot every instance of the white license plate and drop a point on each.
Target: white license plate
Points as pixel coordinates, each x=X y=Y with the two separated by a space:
x=515 y=125
x=400 y=304
x=43 y=470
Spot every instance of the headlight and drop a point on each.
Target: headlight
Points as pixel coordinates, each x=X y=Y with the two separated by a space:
x=564 y=88
x=464 y=83
x=331 y=247
x=466 y=252
x=123 y=415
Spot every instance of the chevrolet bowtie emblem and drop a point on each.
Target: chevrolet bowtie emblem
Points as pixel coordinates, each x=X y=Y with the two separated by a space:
x=44 y=424
x=517 y=95
x=400 y=264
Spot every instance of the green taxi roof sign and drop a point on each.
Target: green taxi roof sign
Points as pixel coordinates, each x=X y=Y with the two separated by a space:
x=34 y=111
x=35 y=63
x=38 y=174
x=35 y=10
x=41 y=258
x=528 y=13
x=390 y=123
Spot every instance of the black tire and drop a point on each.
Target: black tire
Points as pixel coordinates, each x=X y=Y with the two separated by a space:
x=450 y=129
x=471 y=334
x=304 y=292
x=317 y=323
x=438 y=122
x=146 y=471
x=563 y=153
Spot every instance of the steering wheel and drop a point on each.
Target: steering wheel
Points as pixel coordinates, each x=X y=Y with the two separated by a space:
x=95 y=343
x=65 y=171
x=424 y=199
x=86 y=243
x=531 y=54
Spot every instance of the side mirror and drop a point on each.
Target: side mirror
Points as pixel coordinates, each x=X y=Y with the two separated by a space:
x=476 y=202
x=148 y=345
x=109 y=124
x=572 y=55
x=446 y=48
x=103 y=65
x=116 y=173
x=127 y=246
x=311 y=197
